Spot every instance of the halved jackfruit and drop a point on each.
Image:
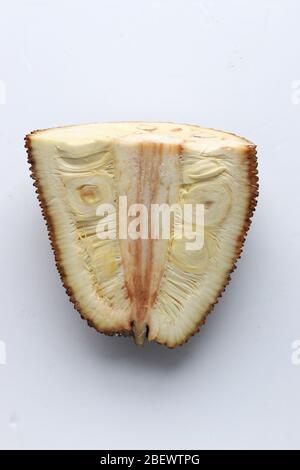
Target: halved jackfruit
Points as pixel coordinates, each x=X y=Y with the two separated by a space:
x=149 y=287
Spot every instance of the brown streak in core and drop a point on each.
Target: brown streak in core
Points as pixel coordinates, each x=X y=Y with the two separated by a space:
x=137 y=245
x=148 y=171
x=140 y=287
x=154 y=175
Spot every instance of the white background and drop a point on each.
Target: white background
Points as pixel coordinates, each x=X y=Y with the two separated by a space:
x=226 y=64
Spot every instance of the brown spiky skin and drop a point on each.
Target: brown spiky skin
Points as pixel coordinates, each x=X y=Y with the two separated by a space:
x=253 y=194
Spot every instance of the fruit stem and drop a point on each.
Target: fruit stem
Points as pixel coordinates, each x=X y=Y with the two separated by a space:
x=139 y=333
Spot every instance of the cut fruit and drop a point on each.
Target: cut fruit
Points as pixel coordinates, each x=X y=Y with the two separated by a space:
x=121 y=277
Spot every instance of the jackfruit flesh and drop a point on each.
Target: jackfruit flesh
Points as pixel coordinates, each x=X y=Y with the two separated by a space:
x=150 y=287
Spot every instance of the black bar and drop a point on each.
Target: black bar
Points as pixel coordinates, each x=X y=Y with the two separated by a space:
x=144 y=458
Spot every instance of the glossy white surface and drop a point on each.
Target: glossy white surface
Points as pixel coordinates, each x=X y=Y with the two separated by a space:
x=224 y=64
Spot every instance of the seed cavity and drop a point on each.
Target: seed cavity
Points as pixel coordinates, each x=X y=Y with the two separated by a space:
x=147 y=128
x=89 y=193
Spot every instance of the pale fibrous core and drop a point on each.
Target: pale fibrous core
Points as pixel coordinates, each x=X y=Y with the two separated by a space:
x=150 y=288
